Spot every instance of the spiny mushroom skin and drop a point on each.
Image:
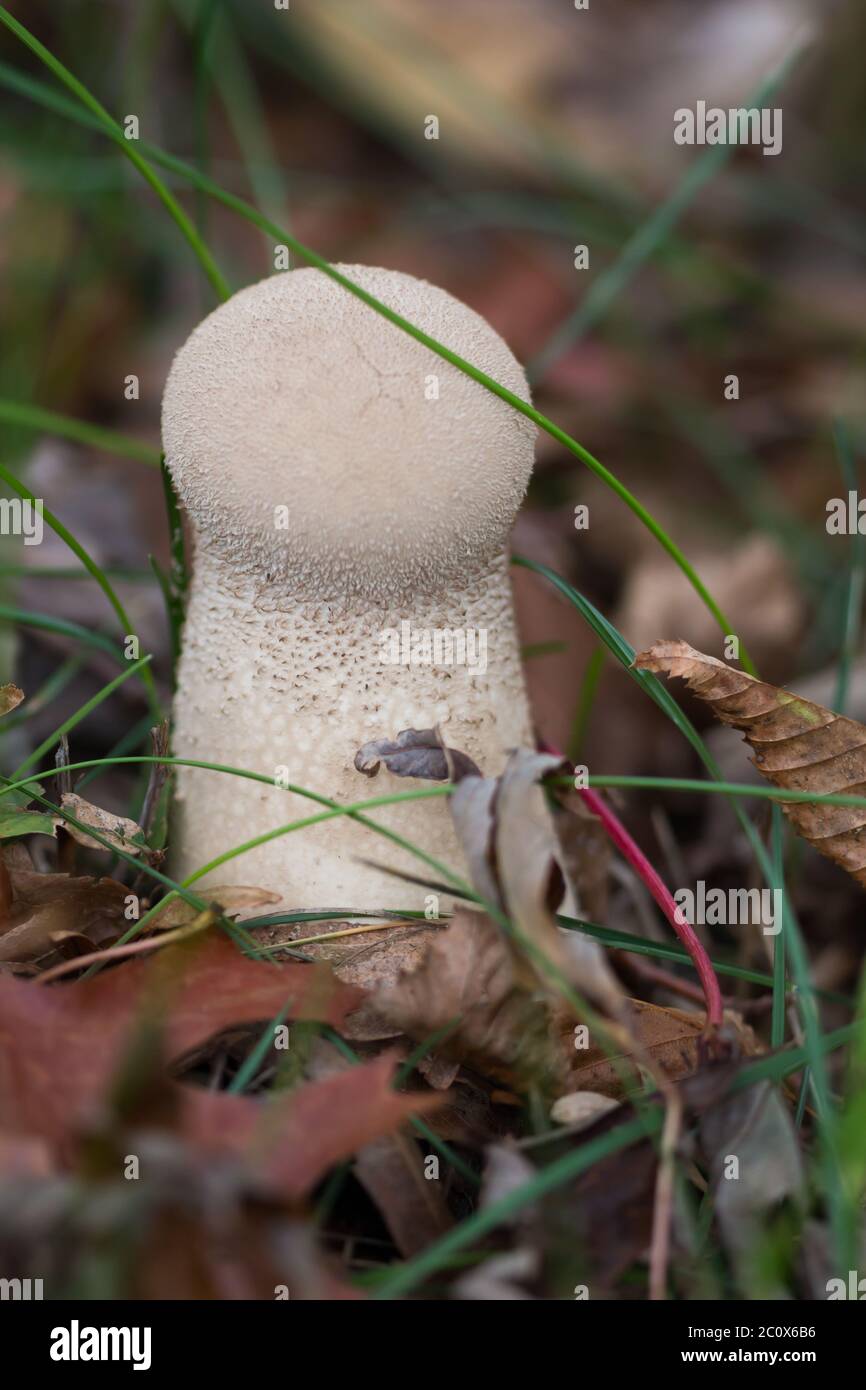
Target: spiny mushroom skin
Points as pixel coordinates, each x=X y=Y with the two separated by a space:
x=340 y=480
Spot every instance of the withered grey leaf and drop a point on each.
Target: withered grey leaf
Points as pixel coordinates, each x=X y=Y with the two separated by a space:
x=415 y=753
x=506 y=1169
x=579 y=1109
x=499 y=1278
x=508 y=837
x=472 y=810
x=754 y=1127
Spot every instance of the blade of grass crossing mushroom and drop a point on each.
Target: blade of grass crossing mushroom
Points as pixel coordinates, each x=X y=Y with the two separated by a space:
x=314 y=259
x=616 y=939
x=545 y=966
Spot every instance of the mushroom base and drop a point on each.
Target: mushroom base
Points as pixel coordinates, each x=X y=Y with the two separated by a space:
x=292 y=689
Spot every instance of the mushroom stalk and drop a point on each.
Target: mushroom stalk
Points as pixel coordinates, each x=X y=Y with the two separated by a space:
x=350 y=497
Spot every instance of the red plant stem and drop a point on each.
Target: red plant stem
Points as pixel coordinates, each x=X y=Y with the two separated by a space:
x=635 y=856
x=662 y=895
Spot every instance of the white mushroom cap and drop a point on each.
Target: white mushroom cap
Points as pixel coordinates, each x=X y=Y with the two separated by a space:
x=296 y=394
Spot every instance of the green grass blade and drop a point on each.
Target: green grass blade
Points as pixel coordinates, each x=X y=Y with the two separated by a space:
x=409 y=1275
x=780 y=988
x=96 y=572
x=66 y=427
x=24 y=617
x=585 y=702
x=856 y=577
x=607 y=286
x=115 y=131
x=81 y=713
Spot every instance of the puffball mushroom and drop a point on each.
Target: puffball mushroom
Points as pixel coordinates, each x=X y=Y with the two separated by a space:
x=348 y=493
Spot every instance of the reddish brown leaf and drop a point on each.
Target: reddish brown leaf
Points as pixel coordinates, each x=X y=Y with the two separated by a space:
x=294 y=1140
x=59 y=1045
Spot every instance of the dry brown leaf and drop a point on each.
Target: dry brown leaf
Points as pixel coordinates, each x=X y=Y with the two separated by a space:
x=119 y=831
x=48 y=909
x=468 y=975
x=293 y=1141
x=438 y=1072
x=391 y=1170
x=754 y=1126
x=230 y=899
x=587 y=853
x=798 y=745
x=60 y=1045
x=10 y=697
x=371 y=960
x=667 y=1037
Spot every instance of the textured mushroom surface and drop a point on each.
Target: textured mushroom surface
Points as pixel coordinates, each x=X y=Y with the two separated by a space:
x=399 y=472
x=342 y=481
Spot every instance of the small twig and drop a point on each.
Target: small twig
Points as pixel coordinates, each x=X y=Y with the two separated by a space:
x=62 y=777
x=663 y=1204
x=654 y=974
x=132 y=948
x=347 y=931
x=158 y=775
x=63 y=784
